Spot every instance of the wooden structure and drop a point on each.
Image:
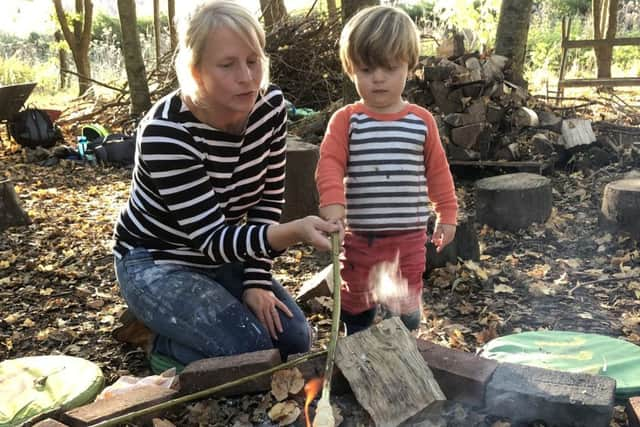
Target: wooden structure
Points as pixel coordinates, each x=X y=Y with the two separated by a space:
x=12 y=98
x=573 y=44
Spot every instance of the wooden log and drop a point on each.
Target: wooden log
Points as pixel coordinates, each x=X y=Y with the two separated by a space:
x=577 y=132
x=632 y=408
x=620 y=208
x=320 y=285
x=11 y=213
x=381 y=361
x=495 y=113
x=467 y=136
x=513 y=201
x=458 y=153
x=550 y=121
x=441 y=94
x=300 y=194
x=524 y=117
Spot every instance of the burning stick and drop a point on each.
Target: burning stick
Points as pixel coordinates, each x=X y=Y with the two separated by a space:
x=324 y=412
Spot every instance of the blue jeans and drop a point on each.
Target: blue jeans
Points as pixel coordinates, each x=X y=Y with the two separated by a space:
x=198 y=313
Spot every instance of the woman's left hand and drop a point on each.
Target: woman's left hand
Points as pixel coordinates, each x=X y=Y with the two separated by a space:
x=265 y=305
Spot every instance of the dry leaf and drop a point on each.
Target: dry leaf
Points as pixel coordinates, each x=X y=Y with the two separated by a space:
x=285 y=382
x=284 y=413
x=161 y=422
x=502 y=289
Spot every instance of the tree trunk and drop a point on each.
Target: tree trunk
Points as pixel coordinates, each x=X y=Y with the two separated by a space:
x=605 y=14
x=173 y=35
x=512 y=33
x=273 y=12
x=332 y=10
x=349 y=8
x=156 y=30
x=11 y=214
x=62 y=59
x=136 y=73
x=78 y=39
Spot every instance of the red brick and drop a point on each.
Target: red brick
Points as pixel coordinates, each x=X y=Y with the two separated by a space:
x=462 y=376
x=117 y=405
x=633 y=411
x=207 y=373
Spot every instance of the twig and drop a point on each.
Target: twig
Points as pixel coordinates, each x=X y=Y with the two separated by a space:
x=205 y=393
x=609 y=279
x=117 y=89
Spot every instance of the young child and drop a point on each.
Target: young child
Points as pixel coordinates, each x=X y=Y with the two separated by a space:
x=381 y=163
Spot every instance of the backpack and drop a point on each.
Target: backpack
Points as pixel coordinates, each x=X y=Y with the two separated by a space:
x=33 y=128
x=115 y=149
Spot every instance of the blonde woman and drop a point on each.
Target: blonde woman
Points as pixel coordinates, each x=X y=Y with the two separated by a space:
x=195 y=242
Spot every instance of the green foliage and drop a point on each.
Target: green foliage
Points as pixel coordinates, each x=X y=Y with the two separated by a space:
x=568 y=7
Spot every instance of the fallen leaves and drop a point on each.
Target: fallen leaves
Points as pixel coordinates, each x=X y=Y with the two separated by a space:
x=285 y=413
x=286 y=382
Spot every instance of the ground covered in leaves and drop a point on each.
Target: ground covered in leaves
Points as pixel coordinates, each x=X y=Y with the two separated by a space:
x=58 y=293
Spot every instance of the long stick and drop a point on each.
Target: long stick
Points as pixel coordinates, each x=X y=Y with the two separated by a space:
x=205 y=393
x=335 y=318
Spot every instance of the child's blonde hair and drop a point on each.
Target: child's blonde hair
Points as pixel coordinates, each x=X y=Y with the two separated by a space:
x=377 y=36
x=194 y=30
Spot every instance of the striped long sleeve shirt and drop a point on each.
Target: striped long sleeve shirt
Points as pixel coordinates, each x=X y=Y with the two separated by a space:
x=386 y=169
x=202 y=197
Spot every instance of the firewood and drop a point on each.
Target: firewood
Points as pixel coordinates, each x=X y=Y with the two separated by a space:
x=467 y=136
x=524 y=117
x=11 y=213
x=621 y=206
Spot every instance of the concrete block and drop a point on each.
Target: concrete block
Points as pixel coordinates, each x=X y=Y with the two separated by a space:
x=633 y=411
x=526 y=394
x=300 y=192
x=117 y=405
x=462 y=376
x=207 y=373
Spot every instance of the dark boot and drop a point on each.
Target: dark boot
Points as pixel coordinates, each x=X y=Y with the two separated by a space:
x=411 y=320
x=358 y=322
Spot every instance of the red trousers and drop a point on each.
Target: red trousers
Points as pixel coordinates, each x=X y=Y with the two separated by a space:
x=365 y=283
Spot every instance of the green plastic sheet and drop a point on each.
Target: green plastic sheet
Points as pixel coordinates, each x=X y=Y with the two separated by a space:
x=572 y=352
x=32 y=386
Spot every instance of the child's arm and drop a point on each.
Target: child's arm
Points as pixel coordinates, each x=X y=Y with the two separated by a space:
x=332 y=166
x=441 y=188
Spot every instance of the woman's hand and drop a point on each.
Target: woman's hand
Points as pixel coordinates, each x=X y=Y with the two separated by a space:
x=443 y=234
x=265 y=305
x=312 y=230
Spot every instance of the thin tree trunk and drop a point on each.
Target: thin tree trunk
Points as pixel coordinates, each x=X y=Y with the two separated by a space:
x=512 y=33
x=62 y=59
x=136 y=73
x=171 y=11
x=273 y=12
x=78 y=39
x=332 y=10
x=605 y=14
x=156 y=30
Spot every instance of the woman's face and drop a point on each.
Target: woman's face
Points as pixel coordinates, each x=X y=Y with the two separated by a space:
x=229 y=75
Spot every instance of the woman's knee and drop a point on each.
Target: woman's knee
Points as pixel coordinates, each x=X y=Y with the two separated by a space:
x=296 y=337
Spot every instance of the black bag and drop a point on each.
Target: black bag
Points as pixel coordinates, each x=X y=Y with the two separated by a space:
x=33 y=128
x=115 y=149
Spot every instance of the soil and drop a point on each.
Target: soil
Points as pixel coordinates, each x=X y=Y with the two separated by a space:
x=58 y=293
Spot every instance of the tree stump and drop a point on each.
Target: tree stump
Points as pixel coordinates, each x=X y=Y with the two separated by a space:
x=621 y=206
x=300 y=194
x=513 y=201
x=11 y=213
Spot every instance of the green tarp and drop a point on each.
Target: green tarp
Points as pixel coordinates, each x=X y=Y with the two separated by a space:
x=572 y=352
x=32 y=386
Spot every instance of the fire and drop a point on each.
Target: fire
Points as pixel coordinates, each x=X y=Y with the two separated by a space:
x=311 y=390
x=388 y=284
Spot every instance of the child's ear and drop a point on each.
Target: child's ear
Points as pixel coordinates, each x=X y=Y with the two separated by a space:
x=197 y=76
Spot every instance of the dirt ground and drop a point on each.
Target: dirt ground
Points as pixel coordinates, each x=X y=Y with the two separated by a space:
x=58 y=293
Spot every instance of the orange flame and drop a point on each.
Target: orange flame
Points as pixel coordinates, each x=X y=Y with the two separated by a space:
x=311 y=390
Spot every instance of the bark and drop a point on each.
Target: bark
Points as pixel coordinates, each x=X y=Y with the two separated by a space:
x=134 y=64
x=156 y=30
x=173 y=35
x=604 y=27
x=512 y=33
x=78 y=37
x=11 y=213
x=273 y=12
x=62 y=60
x=349 y=8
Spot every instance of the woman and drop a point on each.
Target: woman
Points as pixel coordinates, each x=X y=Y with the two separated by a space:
x=196 y=240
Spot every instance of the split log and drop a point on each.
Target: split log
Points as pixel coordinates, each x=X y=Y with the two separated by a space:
x=458 y=153
x=542 y=144
x=550 y=121
x=632 y=408
x=495 y=113
x=11 y=213
x=621 y=206
x=467 y=136
x=320 y=285
x=380 y=361
x=577 y=132
x=300 y=194
x=524 y=117
x=445 y=103
x=513 y=201
x=464 y=246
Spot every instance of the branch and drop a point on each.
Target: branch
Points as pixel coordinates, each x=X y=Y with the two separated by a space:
x=94 y=81
x=205 y=393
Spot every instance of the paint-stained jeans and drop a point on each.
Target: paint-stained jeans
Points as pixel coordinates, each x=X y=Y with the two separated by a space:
x=199 y=313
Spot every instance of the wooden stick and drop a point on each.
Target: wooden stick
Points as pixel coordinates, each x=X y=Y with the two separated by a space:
x=205 y=393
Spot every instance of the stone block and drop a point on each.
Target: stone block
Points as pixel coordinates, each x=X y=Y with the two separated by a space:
x=206 y=373
x=526 y=394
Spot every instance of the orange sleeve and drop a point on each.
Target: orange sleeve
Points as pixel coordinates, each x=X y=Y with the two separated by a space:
x=332 y=165
x=440 y=186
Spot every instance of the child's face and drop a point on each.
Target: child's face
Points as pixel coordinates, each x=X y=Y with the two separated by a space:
x=381 y=87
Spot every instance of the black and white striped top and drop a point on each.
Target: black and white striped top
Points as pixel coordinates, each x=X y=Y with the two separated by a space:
x=201 y=197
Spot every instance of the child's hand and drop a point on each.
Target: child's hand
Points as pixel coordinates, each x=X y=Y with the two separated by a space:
x=443 y=234
x=333 y=213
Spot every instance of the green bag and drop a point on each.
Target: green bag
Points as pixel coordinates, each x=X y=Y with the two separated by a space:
x=572 y=352
x=34 y=386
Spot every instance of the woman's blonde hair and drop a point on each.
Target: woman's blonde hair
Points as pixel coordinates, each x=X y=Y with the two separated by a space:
x=376 y=37
x=194 y=29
